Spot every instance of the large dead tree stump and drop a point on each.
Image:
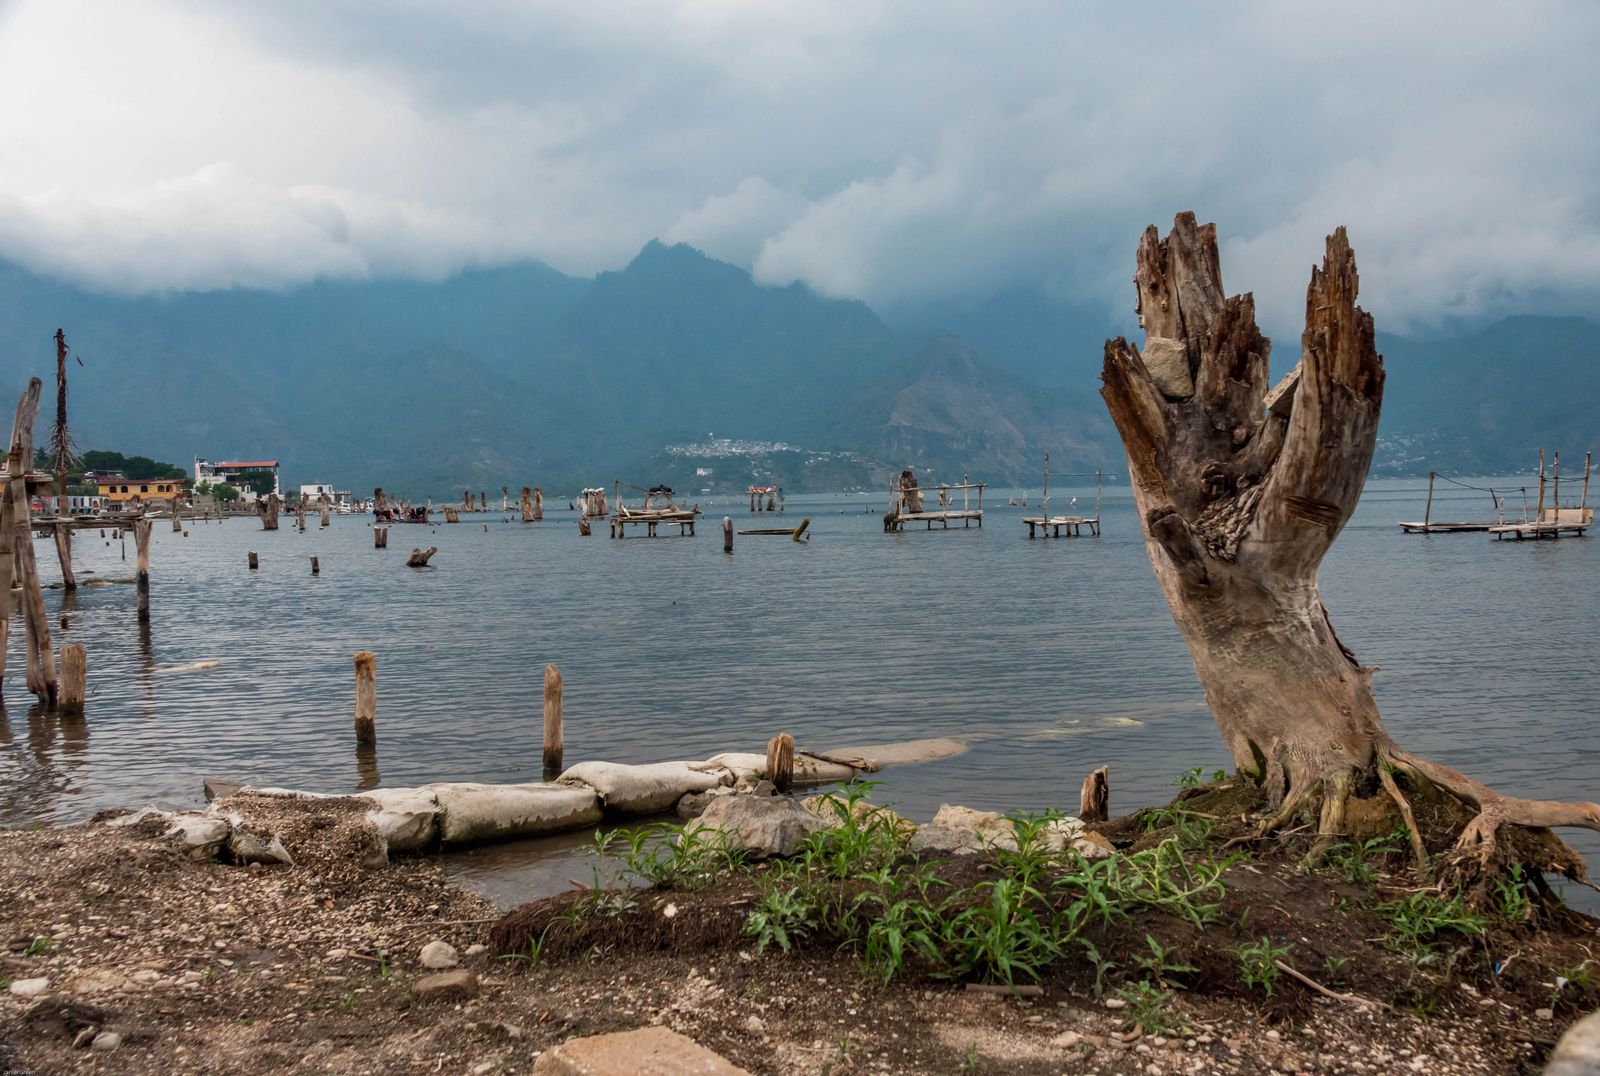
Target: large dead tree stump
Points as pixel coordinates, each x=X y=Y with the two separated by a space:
x=1241 y=491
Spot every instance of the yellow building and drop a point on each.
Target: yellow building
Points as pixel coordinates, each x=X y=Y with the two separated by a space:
x=118 y=490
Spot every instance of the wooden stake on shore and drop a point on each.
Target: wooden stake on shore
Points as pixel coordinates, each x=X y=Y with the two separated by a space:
x=554 y=743
x=74 y=678
x=316 y=569
x=366 y=698
x=1094 y=800
x=780 y=761
x=141 y=544
x=254 y=563
x=727 y=535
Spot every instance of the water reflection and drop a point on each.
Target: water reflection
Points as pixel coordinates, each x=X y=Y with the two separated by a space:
x=367 y=776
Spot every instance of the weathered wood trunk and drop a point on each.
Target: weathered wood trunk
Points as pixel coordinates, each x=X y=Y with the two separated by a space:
x=74 y=678
x=554 y=734
x=380 y=537
x=141 y=544
x=380 y=503
x=451 y=515
x=780 y=761
x=366 y=698
x=1241 y=491
x=63 y=537
x=538 y=504
x=41 y=675
x=527 y=505
x=419 y=557
x=322 y=513
x=267 y=507
x=483 y=500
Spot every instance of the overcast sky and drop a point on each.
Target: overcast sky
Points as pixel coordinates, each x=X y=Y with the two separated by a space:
x=893 y=152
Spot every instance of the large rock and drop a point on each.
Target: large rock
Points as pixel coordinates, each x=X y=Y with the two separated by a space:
x=1578 y=1052
x=649 y=1051
x=762 y=825
x=1167 y=361
x=202 y=834
x=470 y=813
x=642 y=789
x=964 y=831
x=447 y=986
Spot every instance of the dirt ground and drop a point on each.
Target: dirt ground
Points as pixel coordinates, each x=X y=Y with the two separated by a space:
x=206 y=967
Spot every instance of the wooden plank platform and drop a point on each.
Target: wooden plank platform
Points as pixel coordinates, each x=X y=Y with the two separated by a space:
x=898 y=520
x=1039 y=526
x=1448 y=528
x=682 y=518
x=1520 y=531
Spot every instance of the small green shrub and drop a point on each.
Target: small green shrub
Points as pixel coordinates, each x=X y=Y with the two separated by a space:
x=1257 y=963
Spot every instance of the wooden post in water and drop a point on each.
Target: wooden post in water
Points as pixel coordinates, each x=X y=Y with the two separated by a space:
x=752 y=498
x=269 y=512
x=366 y=699
x=63 y=537
x=419 y=557
x=1583 y=502
x=483 y=500
x=74 y=678
x=41 y=678
x=505 y=498
x=780 y=761
x=141 y=545
x=527 y=505
x=177 y=517
x=538 y=504
x=1539 y=516
x=253 y=562
x=727 y=535
x=322 y=512
x=1094 y=799
x=300 y=513
x=583 y=527
x=1427 y=511
x=316 y=569
x=1555 y=493
x=380 y=537
x=554 y=743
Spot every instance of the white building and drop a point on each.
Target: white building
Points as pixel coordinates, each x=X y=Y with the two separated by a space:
x=228 y=472
x=316 y=491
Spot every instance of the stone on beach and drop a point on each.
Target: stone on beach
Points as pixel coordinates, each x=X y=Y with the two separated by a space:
x=29 y=988
x=761 y=825
x=439 y=955
x=648 y=1051
x=447 y=985
x=1578 y=1052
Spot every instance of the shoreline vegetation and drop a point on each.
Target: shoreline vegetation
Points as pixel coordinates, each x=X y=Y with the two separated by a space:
x=1176 y=939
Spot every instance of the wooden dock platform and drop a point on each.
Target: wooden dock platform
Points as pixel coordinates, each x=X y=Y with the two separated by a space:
x=1427 y=527
x=905 y=505
x=652 y=515
x=1052 y=526
x=1552 y=523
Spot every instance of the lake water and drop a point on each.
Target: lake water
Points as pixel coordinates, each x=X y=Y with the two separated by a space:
x=1052 y=657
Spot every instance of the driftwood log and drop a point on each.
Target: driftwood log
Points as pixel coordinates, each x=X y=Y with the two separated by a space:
x=1241 y=490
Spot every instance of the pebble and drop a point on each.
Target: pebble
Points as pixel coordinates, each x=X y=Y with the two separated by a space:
x=755 y=1024
x=1542 y=1014
x=29 y=988
x=439 y=955
x=1116 y=1003
x=336 y=954
x=477 y=950
x=1273 y=1034
x=1067 y=1039
x=106 y=1041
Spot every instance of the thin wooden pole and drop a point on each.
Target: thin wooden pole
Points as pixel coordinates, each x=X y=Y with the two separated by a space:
x=1047 y=492
x=74 y=678
x=554 y=742
x=538 y=504
x=141 y=544
x=780 y=761
x=1427 y=511
x=1540 y=516
x=1583 y=502
x=63 y=537
x=366 y=698
x=1556 y=493
x=41 y=678
x=727 y=535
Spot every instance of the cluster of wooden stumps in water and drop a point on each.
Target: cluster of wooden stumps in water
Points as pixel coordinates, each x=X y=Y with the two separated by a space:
x=65 y=689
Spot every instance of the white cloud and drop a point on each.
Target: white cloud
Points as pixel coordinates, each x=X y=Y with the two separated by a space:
x=892 y=151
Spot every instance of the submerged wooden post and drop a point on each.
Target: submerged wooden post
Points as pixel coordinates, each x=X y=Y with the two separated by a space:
x=1427 y=510
x=483 y=500
x=268 y=509
x=553 y=736
x=300 y=514
x=780 y=761
x=254 y=563
x=527 y=505
x=538 y=504
x=141 y=544
x=380 y=537
x=1539 y=518
x=322 y=512
x=316 y=569
x=177 y=517
x=1555 y=493
x=1583 y=502
x=727 y=534
x=1094 y=799
x=63 y=537
x=583 y=527
x=41 y=678
x=419 y=557
x=74 y=678
x=366 y=698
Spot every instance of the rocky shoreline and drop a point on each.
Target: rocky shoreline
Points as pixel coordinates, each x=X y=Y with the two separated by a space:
x=127 y=954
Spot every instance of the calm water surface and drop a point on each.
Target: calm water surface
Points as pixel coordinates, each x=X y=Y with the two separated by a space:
x=1053 y=657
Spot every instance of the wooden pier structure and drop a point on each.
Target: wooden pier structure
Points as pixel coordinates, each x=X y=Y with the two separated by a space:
x=1545 y=521
x=906 y=504
x=653 y=513
x=1048 y=526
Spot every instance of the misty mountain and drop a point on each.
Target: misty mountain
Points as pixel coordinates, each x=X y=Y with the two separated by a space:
x=679 y=368
x=1484 y=403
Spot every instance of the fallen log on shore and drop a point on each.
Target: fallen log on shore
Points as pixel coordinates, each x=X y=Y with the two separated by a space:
x=412 y=820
